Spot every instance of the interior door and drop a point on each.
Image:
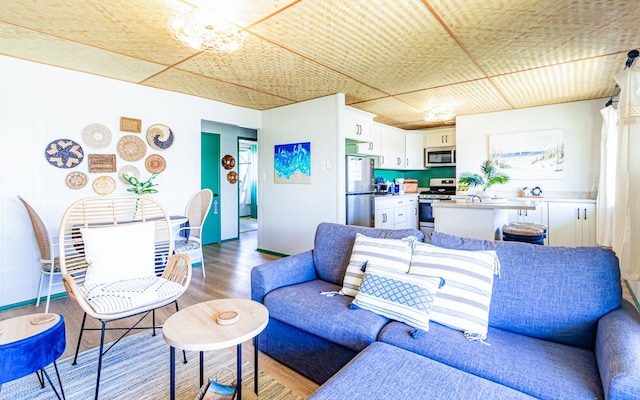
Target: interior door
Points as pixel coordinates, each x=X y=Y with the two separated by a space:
x=210 y=178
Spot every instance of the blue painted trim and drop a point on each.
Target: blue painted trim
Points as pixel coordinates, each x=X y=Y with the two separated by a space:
x=633 y=295
x=32 y=302
x=273 y=253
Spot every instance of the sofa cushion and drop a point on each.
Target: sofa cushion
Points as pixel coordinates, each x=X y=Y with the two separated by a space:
x=540 y=368
x=398 y=296
x=333 y=244
x=463 y=302
x=393 y=255
x=383 y=371
x=330 y=318
x=552 y=293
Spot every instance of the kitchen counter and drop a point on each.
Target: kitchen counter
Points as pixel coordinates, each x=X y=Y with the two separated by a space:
x=490 y=204
x=480 y=220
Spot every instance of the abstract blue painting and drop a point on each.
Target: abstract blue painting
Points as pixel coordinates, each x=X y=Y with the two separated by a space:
x=292 y=163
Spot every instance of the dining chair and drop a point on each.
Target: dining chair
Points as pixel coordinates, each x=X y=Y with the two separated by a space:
x=188 y=239
x=49 y=265
x=117 y=261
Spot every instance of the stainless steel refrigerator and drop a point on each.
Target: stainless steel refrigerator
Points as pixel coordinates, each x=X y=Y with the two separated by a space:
x=360 y=191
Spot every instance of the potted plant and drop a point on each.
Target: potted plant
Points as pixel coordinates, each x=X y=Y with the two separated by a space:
x=491 y=175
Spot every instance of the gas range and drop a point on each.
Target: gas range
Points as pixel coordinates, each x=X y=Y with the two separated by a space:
x=439 y=189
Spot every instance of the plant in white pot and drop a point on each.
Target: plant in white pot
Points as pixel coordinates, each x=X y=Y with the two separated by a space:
x=491 y=175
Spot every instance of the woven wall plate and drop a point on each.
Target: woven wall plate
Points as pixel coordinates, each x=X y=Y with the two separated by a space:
x=64 y=153
x=155 y=163
x=100 y=163
x=228 y=162
x=232 y=177
x=159 y=137
x=131 y=148
x=104 y=185
x=76 y=180
x=129 y=170
x=96 y=136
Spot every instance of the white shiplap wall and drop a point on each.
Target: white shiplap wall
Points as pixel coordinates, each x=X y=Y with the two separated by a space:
x=38 y=104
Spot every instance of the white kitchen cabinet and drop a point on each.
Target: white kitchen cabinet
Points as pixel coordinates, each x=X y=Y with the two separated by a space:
x=412 y=213
x=414 y=150
x=392 y=149
x=537 y=216
x=396 y=212
x=372 y=147
x=572 y=224
x=441 y=138
x=357 y=124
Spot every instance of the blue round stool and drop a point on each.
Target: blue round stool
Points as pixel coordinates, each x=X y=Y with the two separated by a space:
x=30 y=343
x=524 y=232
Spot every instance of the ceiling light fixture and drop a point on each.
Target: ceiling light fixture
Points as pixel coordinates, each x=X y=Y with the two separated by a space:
x=440 y=114
x=205 y=30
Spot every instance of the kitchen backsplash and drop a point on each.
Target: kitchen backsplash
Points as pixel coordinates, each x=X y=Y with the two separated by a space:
x=423 y=176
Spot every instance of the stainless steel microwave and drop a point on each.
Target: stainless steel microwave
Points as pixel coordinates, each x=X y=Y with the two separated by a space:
x=440 y=156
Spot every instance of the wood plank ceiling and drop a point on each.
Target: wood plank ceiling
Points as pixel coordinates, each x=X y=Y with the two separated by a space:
x=393 y=58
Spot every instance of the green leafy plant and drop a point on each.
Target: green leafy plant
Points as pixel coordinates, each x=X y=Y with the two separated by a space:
x=141 y=187
x=491 y=175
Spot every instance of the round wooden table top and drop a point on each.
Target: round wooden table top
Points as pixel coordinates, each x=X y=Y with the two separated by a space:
x=195 y=327
x=25 y=326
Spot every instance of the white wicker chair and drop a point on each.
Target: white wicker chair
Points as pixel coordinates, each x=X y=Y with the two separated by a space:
x=172 y=271
x=197 y=210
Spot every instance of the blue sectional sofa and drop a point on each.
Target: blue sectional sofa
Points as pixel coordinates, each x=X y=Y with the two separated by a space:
x=558 y=327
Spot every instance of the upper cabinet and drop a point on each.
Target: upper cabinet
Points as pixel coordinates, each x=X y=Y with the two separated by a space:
x=371 y=148
x=414 y=150
x=441 y=138
x=357 y=124
x=392 y=148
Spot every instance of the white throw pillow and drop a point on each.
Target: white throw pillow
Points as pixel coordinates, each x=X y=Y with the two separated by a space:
x=463 y=302
x=390 y=254
x=398 y=296
x=119 y=252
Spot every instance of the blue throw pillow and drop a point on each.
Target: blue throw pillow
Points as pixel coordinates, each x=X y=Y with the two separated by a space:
x=398 y=296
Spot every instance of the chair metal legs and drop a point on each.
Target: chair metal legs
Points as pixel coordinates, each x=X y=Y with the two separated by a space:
x=50 y=277
x=103 y=330
x=42 y=374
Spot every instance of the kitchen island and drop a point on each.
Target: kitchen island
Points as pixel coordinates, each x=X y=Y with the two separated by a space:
x=478 y=219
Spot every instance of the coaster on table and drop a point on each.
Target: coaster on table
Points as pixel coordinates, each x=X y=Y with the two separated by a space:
x=42 y=319
x=227 y=318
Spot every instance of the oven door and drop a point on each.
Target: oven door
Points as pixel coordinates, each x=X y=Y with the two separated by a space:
x=425 y=211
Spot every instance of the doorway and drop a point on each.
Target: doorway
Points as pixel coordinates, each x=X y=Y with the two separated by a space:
x=247 y=185
x=210 y=178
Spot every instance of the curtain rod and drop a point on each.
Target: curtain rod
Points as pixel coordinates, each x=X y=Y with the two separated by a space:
x=631 y=56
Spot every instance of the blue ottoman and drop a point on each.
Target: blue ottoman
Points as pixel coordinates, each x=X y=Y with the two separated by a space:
x=383 y=371
x=28 y=344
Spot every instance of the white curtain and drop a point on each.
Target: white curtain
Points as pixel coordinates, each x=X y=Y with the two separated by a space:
x=605 y=202
x=626 y=222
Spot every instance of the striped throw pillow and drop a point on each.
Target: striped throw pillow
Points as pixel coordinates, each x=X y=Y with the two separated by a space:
x=398 y=296
x=463 y=302
x=390 y=254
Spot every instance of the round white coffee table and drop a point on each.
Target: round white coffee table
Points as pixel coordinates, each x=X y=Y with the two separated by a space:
x=195 y=328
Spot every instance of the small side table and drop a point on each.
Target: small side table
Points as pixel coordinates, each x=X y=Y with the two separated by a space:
x=28 y=345
x=195 y=328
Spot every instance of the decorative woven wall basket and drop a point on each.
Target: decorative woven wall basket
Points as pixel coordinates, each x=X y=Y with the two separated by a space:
x=131 y=148
x=99 y=163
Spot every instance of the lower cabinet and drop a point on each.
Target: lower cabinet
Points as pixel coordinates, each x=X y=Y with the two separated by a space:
x=396 y=212
x=572 y=224
x=412 y=213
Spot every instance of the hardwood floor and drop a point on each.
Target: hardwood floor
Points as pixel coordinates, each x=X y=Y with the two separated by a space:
x=228 y=268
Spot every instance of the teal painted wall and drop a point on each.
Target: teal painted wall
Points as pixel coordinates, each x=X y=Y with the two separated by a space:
x=423 y=176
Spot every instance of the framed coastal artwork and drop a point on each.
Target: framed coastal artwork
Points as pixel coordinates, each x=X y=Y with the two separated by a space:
x=292 y=163
x=534 y=155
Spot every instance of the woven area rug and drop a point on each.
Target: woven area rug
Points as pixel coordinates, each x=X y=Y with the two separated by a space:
x=138 y=368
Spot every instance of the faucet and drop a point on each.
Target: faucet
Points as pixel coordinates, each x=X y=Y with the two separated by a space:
x=474 y=197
